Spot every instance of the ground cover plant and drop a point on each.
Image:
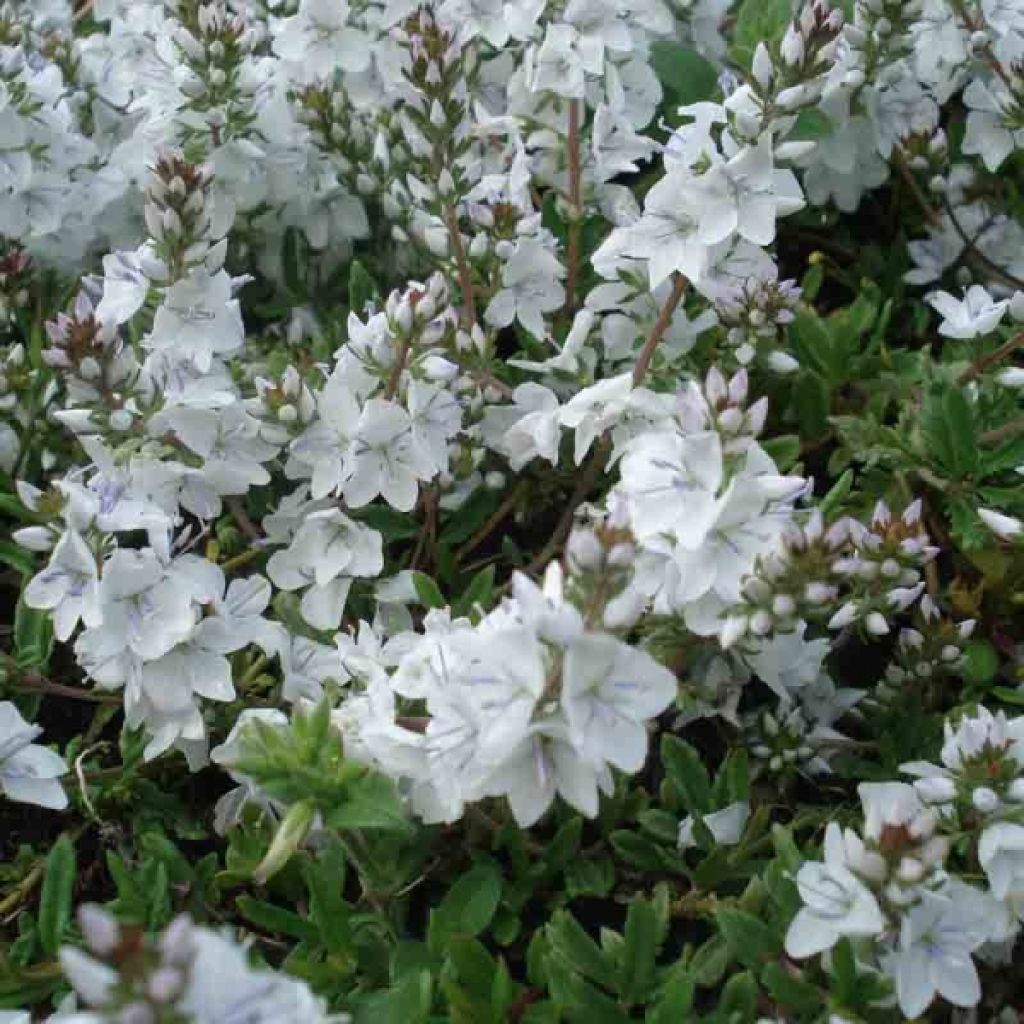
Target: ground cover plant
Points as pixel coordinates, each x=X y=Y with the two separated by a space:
x=512 y=511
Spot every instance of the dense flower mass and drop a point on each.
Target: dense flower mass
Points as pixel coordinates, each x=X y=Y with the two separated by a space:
x=471 y=462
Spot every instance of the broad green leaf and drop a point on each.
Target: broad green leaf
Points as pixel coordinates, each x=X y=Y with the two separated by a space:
x=469 y=905
x=749 y=939
x=372 y=802
x=428 y=591
x=570 y=941
x=685 y=770
x=362 y=289
x=759 y=21
x=639 y=952
x=685 y=75
x=277 y=919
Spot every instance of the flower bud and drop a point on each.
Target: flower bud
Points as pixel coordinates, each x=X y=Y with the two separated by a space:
x=99 y=929
x=1004 y=527
x=935 y=789
x=985 y=800
x=762 y=69
x=876 y=625
x=291 y=834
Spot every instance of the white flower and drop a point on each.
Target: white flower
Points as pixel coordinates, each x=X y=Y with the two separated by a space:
x=1001 y=853
x=319 y=39
x=934 y=953
x=836 y=903
x=667 y=237
x=125 y=288
x=671 y=483
x=544 y=764
x=558 y=63
x=385 y=458
x=594 y=410
x=530 y=287
x=324 y=446
x=977 y=314
x=526 y=429
x=198 y=319
x=726 y=825
x=28 y=772
x=145 y=610
x=988 y=123
x=68 y=586
x=327 y=552
x=609 y=692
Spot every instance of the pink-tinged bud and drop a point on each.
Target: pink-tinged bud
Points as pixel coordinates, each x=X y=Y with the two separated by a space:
x=99 y=929
x=792 y=47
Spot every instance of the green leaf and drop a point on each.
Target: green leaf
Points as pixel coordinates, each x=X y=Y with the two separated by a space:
x=686 y=771
x=33 y=636
x=644 y=853
x=372 y=803
x=844 y=971
x=749 y=939
x=811 y=125
x=837 y=494
x=675 y=1002
x=472 y=515
x=790 y=990
x=981 y=662
x=325 y=880
x=734 y=777
x=392 y=524
x=949 y=429
x=362 y=289
x=277 y=920
x=17 y=557
x=684 y=74
x=759 y=21
x=583 y=1001
x=479 y=592
x=408 y=1001
x=710 y=961
x=785 y=849
x=812 y=404
x=428 y=591
x=812 y=343
x=55 y=899
x=589 y=877
x=639 y=952
x=571 y=942
x=784 y=449
x=293 y=262
x=469 y=905
x=739 y=998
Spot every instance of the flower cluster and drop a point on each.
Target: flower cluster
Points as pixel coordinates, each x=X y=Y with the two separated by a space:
x=895 y=882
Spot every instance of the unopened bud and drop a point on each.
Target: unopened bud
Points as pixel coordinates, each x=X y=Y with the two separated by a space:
x=291 y=834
